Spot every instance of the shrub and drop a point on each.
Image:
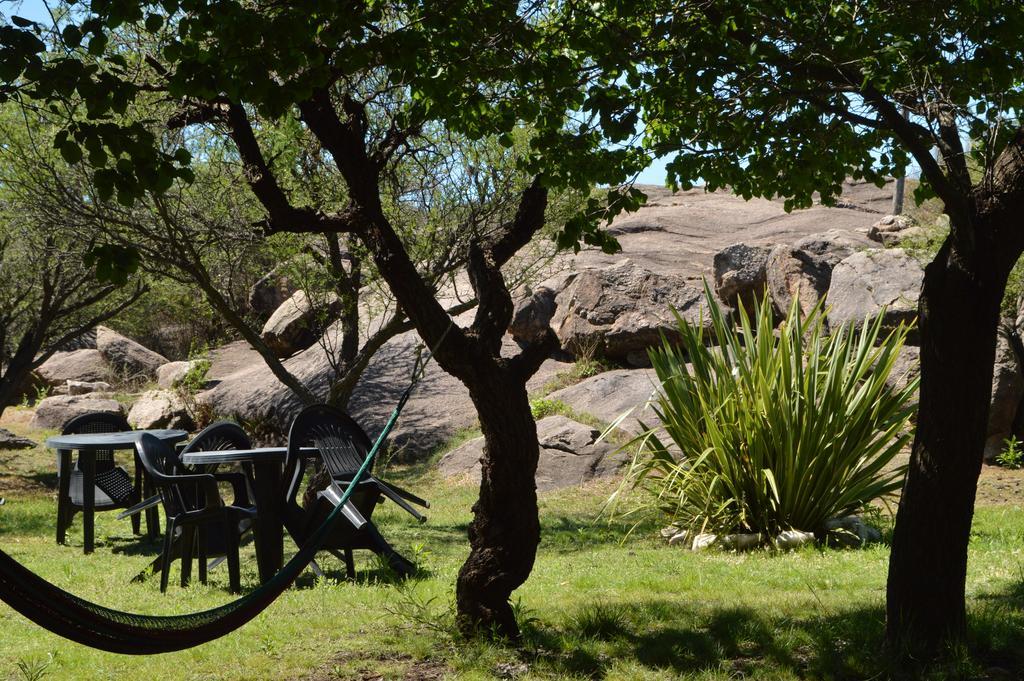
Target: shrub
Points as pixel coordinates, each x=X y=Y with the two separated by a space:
x=1012 y=456
x=772 y=430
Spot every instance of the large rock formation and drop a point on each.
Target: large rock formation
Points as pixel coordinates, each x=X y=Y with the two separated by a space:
x=53 y=412
x=1007 y=392
x=267 y=294
x=292 y=326
x=76 y=365
x=125 y=356
x=168 y=375
x=866 y=282
x=621 y=311
x=569 y=455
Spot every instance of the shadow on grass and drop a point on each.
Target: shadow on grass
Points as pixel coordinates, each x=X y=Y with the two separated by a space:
x=747 y=643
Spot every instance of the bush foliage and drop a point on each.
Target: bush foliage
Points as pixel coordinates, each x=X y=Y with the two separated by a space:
x=768 y=429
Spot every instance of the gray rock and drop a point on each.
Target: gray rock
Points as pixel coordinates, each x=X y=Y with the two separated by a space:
x=9 y=440
x=125 y=356
x=905 y=369
x=292 y=327
x=53 y=412
x=890 y=225
x=834 y=245
x=267 y=294
x=168 y=375
x=852 y=531
x=740 y=274
x=892 y=239
x=87 y=341
x=796 y=273
x=1007 y=392
x=159 y=409
x=84 y=387
x=76 y=365
x=611 y=394
x=624 y=308
x=532 y=316
x=867 y=281
x=793 y=539
x=569 y=455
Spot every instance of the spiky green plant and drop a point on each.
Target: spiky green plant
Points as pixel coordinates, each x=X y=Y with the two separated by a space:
x=768 y=429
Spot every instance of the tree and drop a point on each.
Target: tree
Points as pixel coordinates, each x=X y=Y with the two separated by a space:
x=49 y=293
x=790 y=98
x=477 y=68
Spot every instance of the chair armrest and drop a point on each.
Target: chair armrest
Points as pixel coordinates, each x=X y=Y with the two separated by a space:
x=238 y=487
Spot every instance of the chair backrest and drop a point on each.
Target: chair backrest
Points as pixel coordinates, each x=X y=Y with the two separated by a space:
x=341 y=444
x=218 y=436
x=98 y=422
x=159 y=459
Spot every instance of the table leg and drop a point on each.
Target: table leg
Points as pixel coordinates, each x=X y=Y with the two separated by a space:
x=87 y=460
x=63 y=493
x=269 y=528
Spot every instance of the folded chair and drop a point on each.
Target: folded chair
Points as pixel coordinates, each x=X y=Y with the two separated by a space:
x=341 y=446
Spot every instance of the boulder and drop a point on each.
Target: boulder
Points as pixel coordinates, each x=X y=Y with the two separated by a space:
x=532 y=316
x=905 y=369
x=292 y=326
x=9 y=440
x=868 y=281
x=796 y=273
x=1007 y=392
x=610 y=394
x=76 y=365
x=159 y=409
x=84 y=387
x=87 y=341
x=889 y=227
x=53 y=412
x=740 y=274
x=624 y=308
x=125 y=356
x=569 y=455
x=834 y=245
x=168 y=375
x=267 y=294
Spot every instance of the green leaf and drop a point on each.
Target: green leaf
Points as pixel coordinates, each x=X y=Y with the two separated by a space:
x=72 y=36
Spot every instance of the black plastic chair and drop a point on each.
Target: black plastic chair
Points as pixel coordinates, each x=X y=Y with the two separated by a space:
x=198 y=521
x=341 y=446
x=115 y=487
x=215 y=437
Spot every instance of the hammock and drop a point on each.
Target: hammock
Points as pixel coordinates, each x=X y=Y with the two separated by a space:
x=114 y=631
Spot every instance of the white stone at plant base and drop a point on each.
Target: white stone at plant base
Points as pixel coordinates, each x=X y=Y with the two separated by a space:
x=569 y=455
x=53 y=412
x=679 y=538
x=1007 y=392
x=168 y=375
x=703 y=541
x=159 y=409
x=125 y=356
x=851 y=530
x=867 y=281
x=77 y=365
x=746 y=541
x=793 y=539
x=290 y=328
x=84 y=387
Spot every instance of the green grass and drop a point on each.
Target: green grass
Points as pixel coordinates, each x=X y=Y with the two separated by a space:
x=594 y=607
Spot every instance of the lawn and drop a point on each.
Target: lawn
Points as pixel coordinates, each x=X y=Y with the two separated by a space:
x=598 y=605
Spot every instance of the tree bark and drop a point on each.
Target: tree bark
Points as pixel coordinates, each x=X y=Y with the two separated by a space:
x=959 y=317
x=505 y=530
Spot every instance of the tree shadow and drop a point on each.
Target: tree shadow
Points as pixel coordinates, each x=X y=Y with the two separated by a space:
x=686 y=639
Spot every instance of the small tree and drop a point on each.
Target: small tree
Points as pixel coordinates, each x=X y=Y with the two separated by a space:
x=49 y=292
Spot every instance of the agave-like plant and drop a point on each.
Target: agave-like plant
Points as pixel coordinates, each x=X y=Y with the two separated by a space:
x=770 y=430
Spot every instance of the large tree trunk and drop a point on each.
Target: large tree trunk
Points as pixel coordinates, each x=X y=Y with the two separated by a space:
x=505 y=531
x=959 y=316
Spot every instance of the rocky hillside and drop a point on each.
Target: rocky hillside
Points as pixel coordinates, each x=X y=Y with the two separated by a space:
x=602 y=307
